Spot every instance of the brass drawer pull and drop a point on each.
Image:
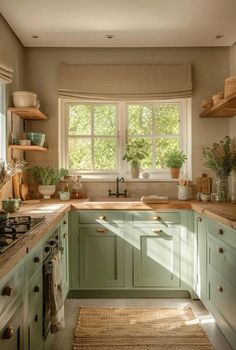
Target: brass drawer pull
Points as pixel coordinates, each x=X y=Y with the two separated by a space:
x=221 y=232
x=157 y=231
x=8 y=291
x=156 y=218
x=65 y=235
x=36 y=289
x=220 y=250
x=199 y=219
x=64 y=222
x=102 y=218
x=220 y=289
x=8 y=333
x=36 y=318
x=37 y=259
x=101 y=230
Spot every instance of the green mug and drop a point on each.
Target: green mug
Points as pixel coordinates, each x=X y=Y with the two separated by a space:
x=11 y=205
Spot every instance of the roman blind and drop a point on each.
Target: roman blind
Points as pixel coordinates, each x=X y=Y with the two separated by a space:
x=6 y=72
x=125 y=81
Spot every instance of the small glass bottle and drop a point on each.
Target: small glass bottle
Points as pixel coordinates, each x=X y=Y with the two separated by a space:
x=77 y=188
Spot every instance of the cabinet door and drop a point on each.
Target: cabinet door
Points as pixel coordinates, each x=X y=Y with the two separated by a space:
x=11 y=335
x=156 y=257
x=101 y=257
x=201 y=233
x=35 y=331
x=65 y=264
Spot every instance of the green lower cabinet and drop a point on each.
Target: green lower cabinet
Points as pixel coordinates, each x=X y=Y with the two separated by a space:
x=11 y=335
x=101 y=257
x=65 y=255
x=156 y=257
x=35 y=331
x=200 y=227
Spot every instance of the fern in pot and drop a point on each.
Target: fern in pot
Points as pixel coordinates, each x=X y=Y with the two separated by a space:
x=47 y=178
x=135 y=153
x=175 y=160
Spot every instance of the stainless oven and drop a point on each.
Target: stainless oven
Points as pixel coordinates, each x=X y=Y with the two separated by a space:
x=51 y=247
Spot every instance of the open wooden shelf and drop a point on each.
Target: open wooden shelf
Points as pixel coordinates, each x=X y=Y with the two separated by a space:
x=28 y=113
x=28 y=148
x=225 y=109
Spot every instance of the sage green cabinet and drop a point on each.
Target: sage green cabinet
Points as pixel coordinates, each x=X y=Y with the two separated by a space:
x=11 y=334
x=34 y=330
x=65 y=255
x=101 y=257
x=200 y=226
x=156 y=254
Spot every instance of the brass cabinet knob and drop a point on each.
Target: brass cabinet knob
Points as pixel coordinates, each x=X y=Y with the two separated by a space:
x=157 y=231
x=221 y=232
x=220 y=289
x=199 y=219
x=102 y=218
x=64 y=222
x=65 y=235
x=37 y=259
x=156 y=218
x=101 y=230
x=36 y=289
x=8 y=333
x=8 y=291
x=220 y=250
x=36 y=318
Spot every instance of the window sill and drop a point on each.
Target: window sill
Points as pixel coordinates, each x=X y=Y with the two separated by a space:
x=84 y=179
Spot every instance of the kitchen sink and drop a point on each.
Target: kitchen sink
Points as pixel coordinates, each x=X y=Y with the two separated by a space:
x=114 y=199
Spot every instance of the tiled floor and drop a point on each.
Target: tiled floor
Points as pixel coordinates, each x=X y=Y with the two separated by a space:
x=64 y=339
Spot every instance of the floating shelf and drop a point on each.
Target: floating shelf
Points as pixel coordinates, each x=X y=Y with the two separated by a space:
x=28 y=113
x=28 y=148
x=225 y=109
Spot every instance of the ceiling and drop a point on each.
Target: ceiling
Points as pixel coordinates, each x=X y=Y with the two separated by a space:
x=133 y=23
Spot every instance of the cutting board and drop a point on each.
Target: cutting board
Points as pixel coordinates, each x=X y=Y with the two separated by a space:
x=204 y=184
x=16 y=180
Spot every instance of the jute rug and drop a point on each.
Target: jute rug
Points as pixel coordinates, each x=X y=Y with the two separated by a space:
x=139 y=328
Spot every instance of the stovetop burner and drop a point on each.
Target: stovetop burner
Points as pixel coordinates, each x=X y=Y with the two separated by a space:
x=14 y=228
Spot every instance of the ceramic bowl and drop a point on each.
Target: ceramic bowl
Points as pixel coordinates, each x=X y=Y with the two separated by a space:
x=36 y=138
x=205 y=197
x=24 y=99
x=64 y=196
x=11 y=205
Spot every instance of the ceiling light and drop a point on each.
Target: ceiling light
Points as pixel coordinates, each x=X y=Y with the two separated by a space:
x=35 y=36
x=219 y=36
x=110 y=36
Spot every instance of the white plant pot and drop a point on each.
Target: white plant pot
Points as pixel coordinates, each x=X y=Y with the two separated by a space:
x=47 y=191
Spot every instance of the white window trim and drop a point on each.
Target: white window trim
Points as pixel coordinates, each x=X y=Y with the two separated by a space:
x=157 y=175
x=3 y=123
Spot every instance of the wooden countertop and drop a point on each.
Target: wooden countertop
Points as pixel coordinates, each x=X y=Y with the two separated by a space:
x=54 y=210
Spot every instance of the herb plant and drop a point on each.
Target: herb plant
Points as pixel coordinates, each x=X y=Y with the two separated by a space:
x=47 y=176
x=135 y=151
x=175 y=159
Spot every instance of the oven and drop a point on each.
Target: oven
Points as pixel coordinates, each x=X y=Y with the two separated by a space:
x=51 y=247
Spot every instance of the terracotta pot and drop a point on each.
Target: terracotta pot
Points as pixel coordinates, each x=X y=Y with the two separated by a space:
x=174 y=173
x=135 y=169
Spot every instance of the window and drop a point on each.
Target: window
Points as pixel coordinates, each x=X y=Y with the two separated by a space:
x=93 y=135
x=2 y=122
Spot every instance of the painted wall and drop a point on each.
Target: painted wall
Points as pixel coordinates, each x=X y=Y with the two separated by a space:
x=13 y=53
x=232 y=71
x=210 y=68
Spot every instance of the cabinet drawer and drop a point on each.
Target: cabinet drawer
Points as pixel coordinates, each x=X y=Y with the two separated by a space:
x=163 y=219
x=95 y=217
x=222 y=295
x=35 y=294
x=34 y=261
x=222 y=259
x=222 y=232
x=11 y=291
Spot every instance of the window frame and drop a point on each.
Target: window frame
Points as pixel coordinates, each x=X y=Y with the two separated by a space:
x=3 y=123
x=185 y=137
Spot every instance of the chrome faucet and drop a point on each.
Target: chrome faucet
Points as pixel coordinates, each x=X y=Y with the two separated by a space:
x=118 y=193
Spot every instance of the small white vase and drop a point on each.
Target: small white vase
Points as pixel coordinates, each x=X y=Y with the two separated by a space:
x=47 y=191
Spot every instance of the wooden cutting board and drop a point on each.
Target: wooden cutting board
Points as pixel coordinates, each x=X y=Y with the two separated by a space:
x=204 y=184
x=16 y=180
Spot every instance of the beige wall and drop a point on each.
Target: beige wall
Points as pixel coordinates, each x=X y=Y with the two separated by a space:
x=210 y=68
x=13 y=52
x=232 y=71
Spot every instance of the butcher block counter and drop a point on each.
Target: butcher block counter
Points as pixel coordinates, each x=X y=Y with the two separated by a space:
x=53 y=210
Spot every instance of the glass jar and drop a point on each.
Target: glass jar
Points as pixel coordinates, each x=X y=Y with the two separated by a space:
x=222 y=188
x=77 y=188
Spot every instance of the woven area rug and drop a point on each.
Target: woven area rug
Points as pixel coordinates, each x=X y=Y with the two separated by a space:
x=139 y=328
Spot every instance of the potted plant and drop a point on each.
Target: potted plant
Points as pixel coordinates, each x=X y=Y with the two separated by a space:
x=175 y=160
x=47 y=179
x=135 y=152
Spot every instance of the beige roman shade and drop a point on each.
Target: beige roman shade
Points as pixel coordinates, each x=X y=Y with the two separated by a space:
x=6 y=72
x=122 y=82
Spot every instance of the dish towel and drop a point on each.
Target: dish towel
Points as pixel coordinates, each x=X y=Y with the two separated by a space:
x=154 y=199
x=57 y=302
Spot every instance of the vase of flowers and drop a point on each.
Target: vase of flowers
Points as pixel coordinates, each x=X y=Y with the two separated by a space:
x=221 y=158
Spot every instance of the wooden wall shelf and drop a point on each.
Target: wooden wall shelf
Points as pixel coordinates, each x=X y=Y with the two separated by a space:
x=225 y=109
x=28 y=113
x=28 y=148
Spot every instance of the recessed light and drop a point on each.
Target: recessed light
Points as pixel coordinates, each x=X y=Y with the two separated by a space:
x=110 y=36
x=219 y=36
x=35 y=36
